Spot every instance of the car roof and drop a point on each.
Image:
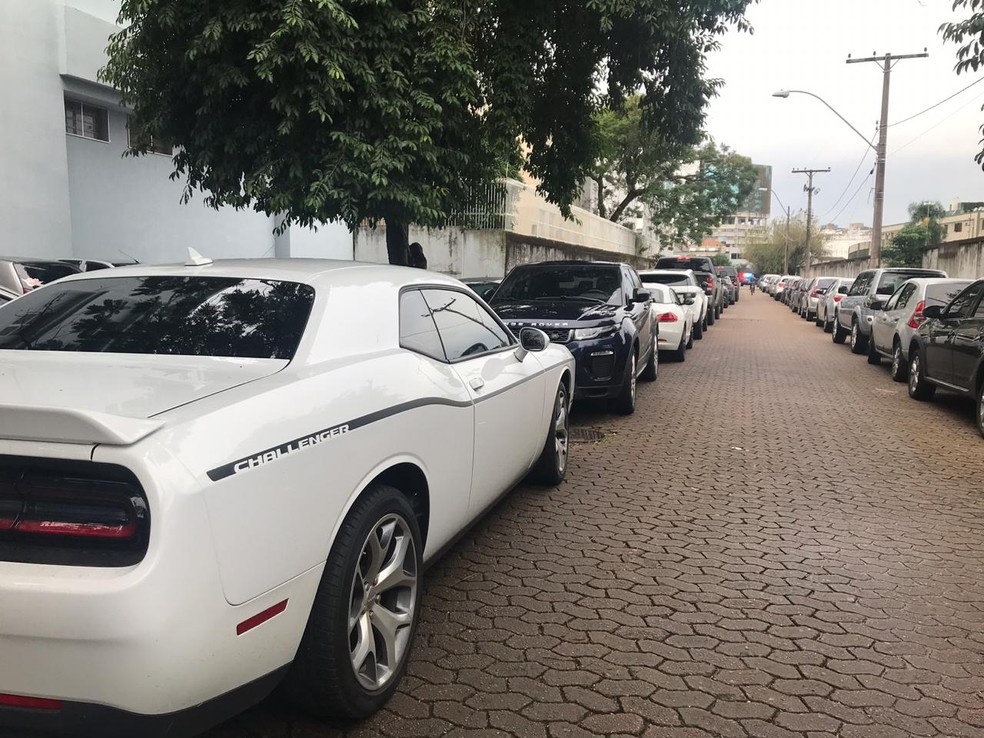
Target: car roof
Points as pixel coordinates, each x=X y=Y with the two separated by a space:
x=665 y=271
x=309 y=271
x=31 y=260
x=573 y=262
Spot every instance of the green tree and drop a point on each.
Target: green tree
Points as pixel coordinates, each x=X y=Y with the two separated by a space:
x=767 y=247
x=643 y=170
x=721 y=260
x=390 y=110
x=906 y=248
x=968 y=34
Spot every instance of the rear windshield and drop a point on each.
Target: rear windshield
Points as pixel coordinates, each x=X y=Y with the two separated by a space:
x=890 y=281
x=674 y=279
x=825 y=283
x=35 y=274
x=588 y=283
x=941 y=294
x=188 y=316
x=673 y=262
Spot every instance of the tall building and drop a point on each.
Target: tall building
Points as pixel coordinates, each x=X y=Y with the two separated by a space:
x=734 y=232
x=66 y=188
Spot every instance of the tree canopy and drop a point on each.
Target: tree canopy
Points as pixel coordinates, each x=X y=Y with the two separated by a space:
x=687 y=185
x=968 y=34
x=390 y=109
x=906 y=248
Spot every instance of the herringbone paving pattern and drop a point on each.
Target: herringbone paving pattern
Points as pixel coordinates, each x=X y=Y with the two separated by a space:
x=778 y=544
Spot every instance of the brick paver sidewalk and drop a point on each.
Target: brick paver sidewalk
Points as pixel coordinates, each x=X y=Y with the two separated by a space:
x=778 y=544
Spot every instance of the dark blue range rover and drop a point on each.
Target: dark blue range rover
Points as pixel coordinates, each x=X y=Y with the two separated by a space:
x=599 y=310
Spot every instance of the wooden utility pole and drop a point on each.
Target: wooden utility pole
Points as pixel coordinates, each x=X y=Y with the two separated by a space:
x=810 y=189
x=886 y=62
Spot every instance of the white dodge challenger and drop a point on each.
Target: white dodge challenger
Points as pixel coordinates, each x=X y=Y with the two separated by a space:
x=220 y=477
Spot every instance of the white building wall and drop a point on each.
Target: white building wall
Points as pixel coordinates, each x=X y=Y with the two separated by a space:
x=34 y=203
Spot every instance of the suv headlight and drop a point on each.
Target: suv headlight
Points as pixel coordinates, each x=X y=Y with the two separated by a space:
x=600 y=331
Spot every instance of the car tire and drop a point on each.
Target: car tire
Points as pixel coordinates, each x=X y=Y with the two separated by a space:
x=710 y=316
x=652 y=366
x=718 y=312
x=919 y=388
x=699 y=329
x=980 y=409
x=551 y=467
x=817 y=321
x=323 y=679
x=625 y=402
x=690 y=338
x=859 y=344
x=900 y=367
x=839 y=335
x=874 y=358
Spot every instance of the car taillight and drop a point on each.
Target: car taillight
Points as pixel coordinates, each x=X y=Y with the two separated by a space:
x=813 y=292
x=667 y=318
x=30 y=703
x=710 y=285
x=917 y=318
x=838 y=298
x=58 y=512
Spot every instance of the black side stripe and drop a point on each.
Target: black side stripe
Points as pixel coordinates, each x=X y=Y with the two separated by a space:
x=325 y=434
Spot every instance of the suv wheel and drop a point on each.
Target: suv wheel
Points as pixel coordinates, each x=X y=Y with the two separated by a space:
x=980 y=409
x=699 y=329
x=919 y=388
x=858 y=342
x=839 y=334
x=874 y=358
x=624 y=403
x=900 y=369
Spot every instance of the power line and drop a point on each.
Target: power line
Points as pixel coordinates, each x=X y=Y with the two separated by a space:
x=937 y=124
x=864 y=156
x=936 y=105
x=853 y=197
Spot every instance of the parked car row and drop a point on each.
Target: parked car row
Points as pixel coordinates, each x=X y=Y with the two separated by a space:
x=930 y=327
x=236 y=450
x=20 y=275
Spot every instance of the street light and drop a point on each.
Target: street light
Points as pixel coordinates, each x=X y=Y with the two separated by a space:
x=876 y=220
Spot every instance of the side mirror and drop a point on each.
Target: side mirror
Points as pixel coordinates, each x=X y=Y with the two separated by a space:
x=933 y=311
x=688 y=300
x=641 y=295
x=842 y=290
x=531 y=340
x=877 y=305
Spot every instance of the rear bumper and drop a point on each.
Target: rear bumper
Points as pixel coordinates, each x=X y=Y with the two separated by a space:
x=86 y=720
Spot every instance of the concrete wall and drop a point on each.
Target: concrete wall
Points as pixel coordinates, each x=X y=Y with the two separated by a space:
x=841 y=268
x=34 y=204
x=963 y=259
x=487 y=253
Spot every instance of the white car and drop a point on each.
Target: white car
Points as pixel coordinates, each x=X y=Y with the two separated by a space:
x=218 y=477
x=676 y=328
x=683 y=282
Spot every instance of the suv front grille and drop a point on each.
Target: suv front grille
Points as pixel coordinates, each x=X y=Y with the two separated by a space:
x=558 y=335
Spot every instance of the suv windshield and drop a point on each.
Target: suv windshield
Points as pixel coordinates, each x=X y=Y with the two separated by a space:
x=591 y=283
x=189 y=316
x=674 y=279
x=698 y=264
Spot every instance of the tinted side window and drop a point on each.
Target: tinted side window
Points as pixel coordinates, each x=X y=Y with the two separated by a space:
x=860 y=286
x=906 y=294
x=941 y=294
x=963 y=303
x=466 y=328
x=417 y=329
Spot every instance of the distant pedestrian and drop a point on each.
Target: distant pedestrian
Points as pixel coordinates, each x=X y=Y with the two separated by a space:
x=417 y=258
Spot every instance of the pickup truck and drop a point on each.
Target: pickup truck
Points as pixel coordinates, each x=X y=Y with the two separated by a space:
x=703 y=269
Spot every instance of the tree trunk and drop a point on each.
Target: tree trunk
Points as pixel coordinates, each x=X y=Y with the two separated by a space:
x=617 y=212
x=397 y=242
x=600 y=181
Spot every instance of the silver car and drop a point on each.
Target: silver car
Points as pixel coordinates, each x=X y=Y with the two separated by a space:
x=827 y=307
x=815 y=289
x=898 y=318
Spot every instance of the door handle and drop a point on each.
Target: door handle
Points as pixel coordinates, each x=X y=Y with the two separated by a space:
x=476 y=383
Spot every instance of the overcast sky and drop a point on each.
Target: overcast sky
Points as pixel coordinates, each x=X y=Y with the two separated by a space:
x=803 y=44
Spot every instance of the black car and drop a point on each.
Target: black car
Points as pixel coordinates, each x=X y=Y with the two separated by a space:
x=599 y=310
x=947 y=350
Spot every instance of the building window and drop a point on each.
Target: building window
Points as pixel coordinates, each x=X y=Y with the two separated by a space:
x=156 y=147
x=87 y=121
x=957 y=227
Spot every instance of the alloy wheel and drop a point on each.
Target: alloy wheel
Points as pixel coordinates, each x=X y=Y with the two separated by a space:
x=561 y=429
x=914 y=374
x=382 y=602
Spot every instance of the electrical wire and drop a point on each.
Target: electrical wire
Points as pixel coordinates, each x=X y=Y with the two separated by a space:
x=853 y=197
x=936 y=105
x=937 y=124
x=864 y=156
